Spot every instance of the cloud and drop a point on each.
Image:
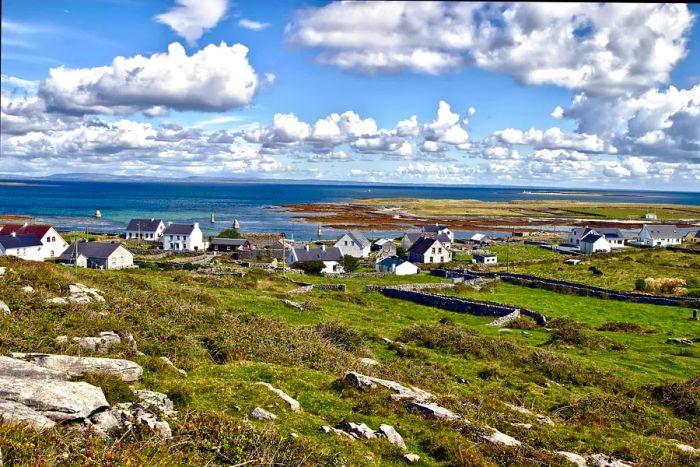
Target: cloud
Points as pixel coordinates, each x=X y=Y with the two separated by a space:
x=252 y=25
x=214 y=79
x=19 y=83
x=596 y=48
x=192 y=18
x=554 y=138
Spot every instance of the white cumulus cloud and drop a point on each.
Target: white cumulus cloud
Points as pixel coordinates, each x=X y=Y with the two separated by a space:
x=192 y=18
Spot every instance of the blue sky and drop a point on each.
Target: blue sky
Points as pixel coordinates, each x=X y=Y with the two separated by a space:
x=382 y=62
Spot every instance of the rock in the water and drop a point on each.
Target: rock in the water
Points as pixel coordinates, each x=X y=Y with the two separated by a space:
x=156 y=399
x=433 y=410
x=16 y=412
x=53 y=398
x=411 y=458
x=79 y=366
x=293 y=404
x=400 y=391
x=679 y=340
x=393 y=436
x=14 y=368
x=573 y=458
x=358 y=430
x=262 y=414
x=168 y=362
x=28 y=289
x=99 y=344
x=4 y=308
x=367 y=361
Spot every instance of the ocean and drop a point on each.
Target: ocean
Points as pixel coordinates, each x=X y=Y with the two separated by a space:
x=70 y=205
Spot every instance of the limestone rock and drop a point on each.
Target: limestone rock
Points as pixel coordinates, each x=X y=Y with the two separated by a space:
x=169 y=362
x=292 y=304
x=293 y=404
x=687 y=448
x=156 y=399
x=679 y=340
x=328 y=429
x=540 y=418
x=411 y=458
x=106 y=423
x=573 y=458
x=496 y=437
x=393 y=436
x=14 y=368
x=99 y=344
x=160 y=427
x=28 y=289
x=433 y=410
x=4 y=308
x=527 y=426
x=57 y=301
x=400 y=391
x=19 y=413
x=79 y=366
x=80 y=293
x=367 y=361
x=262 y=414
x=358 y=430
x=601 y=460
x=3 y=270
x=54 y=398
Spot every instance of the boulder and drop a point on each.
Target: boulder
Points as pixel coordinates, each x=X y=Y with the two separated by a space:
x=3 y=270
x=328 y=429
x=679 y=340
x=28 y=289
x=494 y=436
x=169 y=362
x=80 y=293
x=411 y=458
x=15 y=412
x=156 y=399
x=687 y=448
x=99 y=344
x=14 y=368
x=400 y=391
x=601 y=460
x=143 y=416
x=54 y=398
x=358 y=430
x=393 y=436
x=292 y=304
x=106 y=423
x=57 y=301
x=367 y=361
x=433 y=410
x=577 y=459
x=262 y=414
x=79 y=366
x=4 y=309
x=293 y=404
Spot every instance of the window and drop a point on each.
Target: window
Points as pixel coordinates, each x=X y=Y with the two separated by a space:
x=433 y=250
x=442 y=259
x=346 y=243
x=439 y=250
x=431 y=259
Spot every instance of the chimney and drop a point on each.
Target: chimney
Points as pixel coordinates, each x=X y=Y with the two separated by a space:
x=323 y=247
x=170 y=223
x=14 y=234
x=195 y=225
x=152 y=219
x=306 y=247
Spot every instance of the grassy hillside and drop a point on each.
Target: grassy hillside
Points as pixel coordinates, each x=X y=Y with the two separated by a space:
x=626 y=394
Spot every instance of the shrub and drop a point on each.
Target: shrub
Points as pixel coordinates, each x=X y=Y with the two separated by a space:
x=523 y=322
x=573 y=333
x=665 y=285
x=350 y=263
x=310 y=267
x=640 y=284
x=620 y=326
x=683 y=398
x=340 y=336
x=457 y=340
x=229 y=233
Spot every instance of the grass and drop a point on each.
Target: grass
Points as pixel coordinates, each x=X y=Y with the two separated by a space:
x=231 y=332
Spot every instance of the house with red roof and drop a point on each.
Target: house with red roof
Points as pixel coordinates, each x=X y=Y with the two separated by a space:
x=53 y=243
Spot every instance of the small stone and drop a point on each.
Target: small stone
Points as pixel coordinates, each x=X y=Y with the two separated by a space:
x=168 y=362
x=262 y=414
x=393 y=436
x=61 y=339
x=687 y=448
x=496 y=437
x=4 y=308
x=527 y=426
x=57 y=301
x=573 y=458
x=3 y=270
x=157 y=399
x=293 y=404
x=433 y=410
x=367 y=361
x=411 y=458
x=28 y=289
x=601 y=460
x=505 y=330
x=359 y=430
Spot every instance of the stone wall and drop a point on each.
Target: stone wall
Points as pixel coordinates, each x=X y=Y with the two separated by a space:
x=439 y=285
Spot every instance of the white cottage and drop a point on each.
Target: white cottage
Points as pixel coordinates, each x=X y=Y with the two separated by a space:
x=145 y=229
x=183 y=237
x=659 y=235
x=486 y=259
x=594 y=243
x=438 y=229
x=397 y=267
x=27 y=246
x=354 y=243
x=53 y=243
x=429 y=250
x=97 y=255
x=330 y=257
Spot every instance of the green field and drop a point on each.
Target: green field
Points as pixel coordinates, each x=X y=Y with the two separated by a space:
x=230 y=332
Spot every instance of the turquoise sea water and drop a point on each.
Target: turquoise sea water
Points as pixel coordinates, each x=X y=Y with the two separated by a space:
x=72 y=204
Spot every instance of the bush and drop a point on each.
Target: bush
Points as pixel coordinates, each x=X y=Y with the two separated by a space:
x=340 y=336
x=229 y=233
x=640 y=284
x=310 y=267
x=350 y=263
x=683 y=398
x=620 y=326
x=457 y=340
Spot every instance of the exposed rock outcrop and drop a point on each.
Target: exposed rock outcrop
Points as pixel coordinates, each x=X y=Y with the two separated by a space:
x=19 y=413
x=393 y=436
x=28 y=289
x=293 y=403
x=169 y=362
x=262 y=414
x=99 y=344
x=433 y=410
x=400 y=391
x=80 y=366
x=4 y=309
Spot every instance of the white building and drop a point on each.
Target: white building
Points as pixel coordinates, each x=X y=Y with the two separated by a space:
x=354 y=243
x=659 y=235
x=613 y=236
x=183 y=237
x=51 y=240
x=397 y=267
x=594 y=243
x=409 y=238
x=145 y=229
x=438 y=229
x=486 y=259
x=97 y=255
x=27 y=246
x=429 y=250
x=330 y=257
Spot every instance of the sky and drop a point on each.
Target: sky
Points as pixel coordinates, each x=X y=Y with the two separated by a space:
x=527 y=94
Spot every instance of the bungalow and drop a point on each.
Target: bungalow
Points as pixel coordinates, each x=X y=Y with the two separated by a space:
x=145 y=229
x=51 y=240
x=486 y=259
x=613 y=236
x=692 y=237
x=659 y=235
x=594 y=243
x=330 y=257
x=187 y=237
x=438 y=229
x=228 y=244
x=97 y=255
x=480 y=239
x=27 y=246
x=384 y=248
x=429 y=250
x=353 y=243
x=397 y=267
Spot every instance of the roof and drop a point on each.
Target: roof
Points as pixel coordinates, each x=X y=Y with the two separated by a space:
x=179 y=229
x=19 y=241
x=390 y=262
x=228 y=241
x=261 y=240
x=592 y=238
x=413 y=237
x=610 y=233
x=422 y=245
x=382 y=241
x=662 y=231
x=144 y=225
x=434 y=227
x=318 y=254
x=358 y=237
x=477 y=237
x=90 y=250
x=484 y=256
x=21 y=229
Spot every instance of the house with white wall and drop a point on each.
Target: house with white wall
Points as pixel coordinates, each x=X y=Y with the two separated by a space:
x=97 y=255
x=145 y=229
x=354 y=243
x=409 y=238
x=659 y=235
x=594 y=243
x=48 y=236
x=183 y=237
x=429 y=250
x=330 y=257
x=613 y=236
x=27 y=247
x=438 y=229
x=486 y=259
x=397 y=267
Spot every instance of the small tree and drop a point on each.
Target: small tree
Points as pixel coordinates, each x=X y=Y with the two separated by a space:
x=310 y=267
x=400 y=251
x=229 y=233
x=640 y=284
x=350 y=263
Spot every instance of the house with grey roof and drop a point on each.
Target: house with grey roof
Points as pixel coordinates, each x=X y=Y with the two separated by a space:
x=354 y=243
x=594 y=243
x=409 y=238
x=429 y=250
x=439 y=229
x=613 y=236
x=329 y=256
x=396 y=266
x=145 y=229
x=659 y=235
x=97 y=255
x=384 y=247
x=228 y=244
x=183 y=237
x=27 y=246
